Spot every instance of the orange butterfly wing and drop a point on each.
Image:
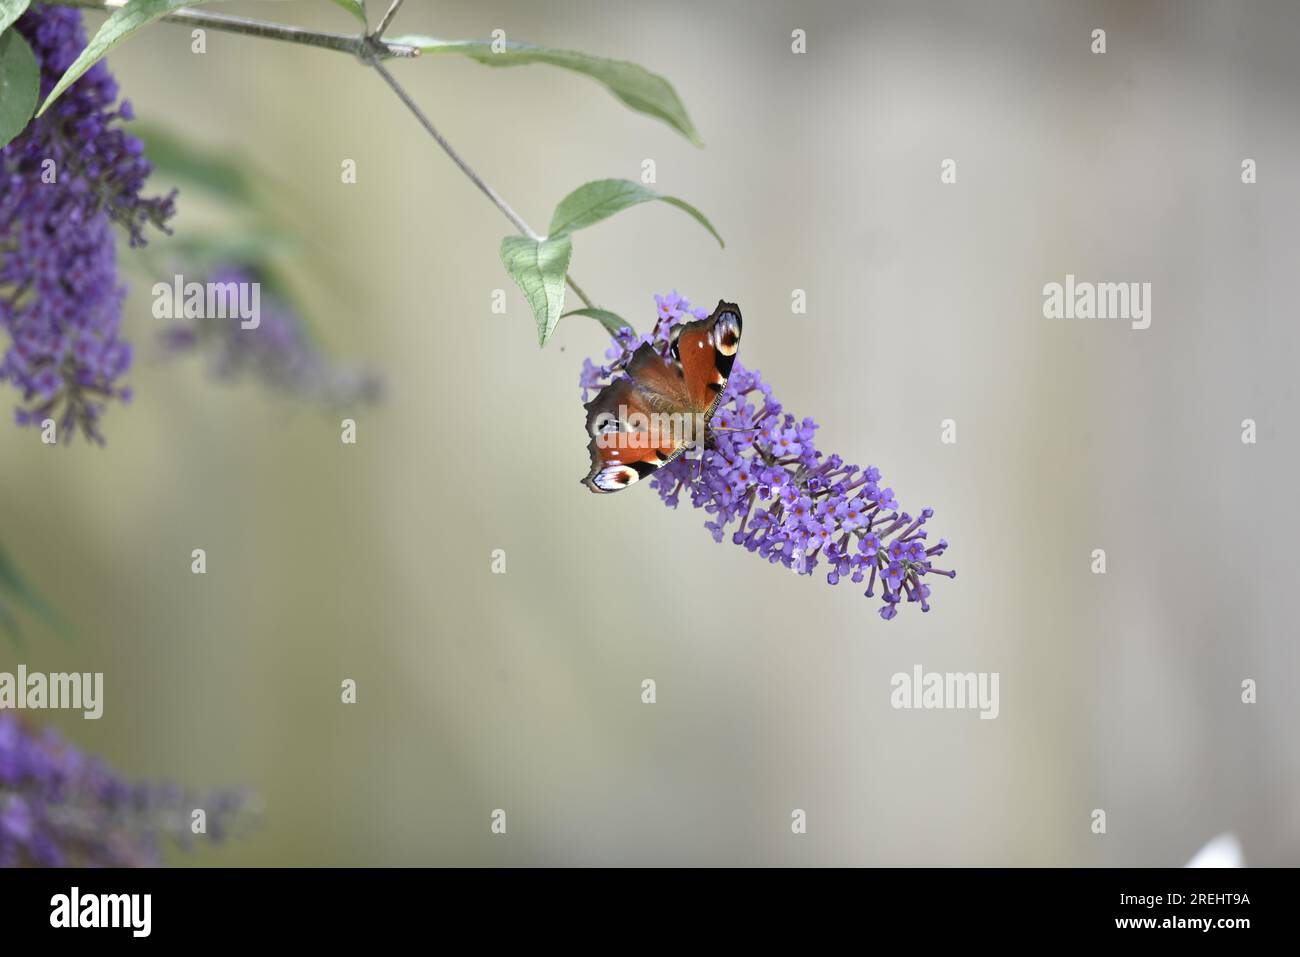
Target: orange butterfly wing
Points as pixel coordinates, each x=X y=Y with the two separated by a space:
x=706 y=350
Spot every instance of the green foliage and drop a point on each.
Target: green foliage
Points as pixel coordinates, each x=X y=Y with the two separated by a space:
x=20 y=84
x=15 y=591
x=217 y=173
x=124 y=22
x=610 y=320
x=539 y=268
x=602 y=198
x=355 y=7
x=11 y=10
x=633 y=85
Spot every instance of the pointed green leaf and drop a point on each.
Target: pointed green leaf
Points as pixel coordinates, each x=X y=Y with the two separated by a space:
x=539 y=269
x=20 y=85
x=215 y=171
x=124 y=22
x=15 y=590
x=10 y=625
x=11 y=10
x=634 y=86
x=610 y=320
x=602 y=198
x=355 y=7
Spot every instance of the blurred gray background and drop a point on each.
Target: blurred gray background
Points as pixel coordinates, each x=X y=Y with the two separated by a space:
x=522 y=691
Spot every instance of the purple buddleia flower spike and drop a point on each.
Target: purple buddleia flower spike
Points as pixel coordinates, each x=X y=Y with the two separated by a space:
x=60 y=808
x=64 y=181
x=789 y=503
x=277 y=352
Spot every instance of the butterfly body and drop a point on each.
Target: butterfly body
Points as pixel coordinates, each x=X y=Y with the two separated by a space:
x=662 y=406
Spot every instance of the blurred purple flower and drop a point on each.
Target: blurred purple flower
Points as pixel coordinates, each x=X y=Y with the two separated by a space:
x=791 y=504
x=63 y=182
x=60 y=808
x=278 y=351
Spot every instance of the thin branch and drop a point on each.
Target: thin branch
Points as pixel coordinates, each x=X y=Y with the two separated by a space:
x=465 y=168
x=515 y=219
x=388 y=18
x=261 y=28
x=579 y=293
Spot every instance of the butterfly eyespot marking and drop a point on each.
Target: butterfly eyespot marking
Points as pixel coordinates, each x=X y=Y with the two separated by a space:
x=726 y=333
x=614 y=477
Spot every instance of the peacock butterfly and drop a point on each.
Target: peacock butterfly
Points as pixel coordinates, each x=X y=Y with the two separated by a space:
x=662 y=406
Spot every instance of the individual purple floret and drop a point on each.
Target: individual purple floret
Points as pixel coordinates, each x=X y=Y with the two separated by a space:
x=762 y=471
x=278 y=352
x=61 y=808
x=63 y=182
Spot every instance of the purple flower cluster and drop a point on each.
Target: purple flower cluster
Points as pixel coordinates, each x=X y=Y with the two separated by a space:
x=63 y=182
x=791 y=504
x=278 y=352
x=60 y=808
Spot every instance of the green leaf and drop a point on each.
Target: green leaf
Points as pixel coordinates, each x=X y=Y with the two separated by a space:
x=539 y=269
x=635 y=86
x=124 y=22
x=10 y=625
x=214 y=171
x=355 y=7
x=16 y=589
x=610 y=320
x=11 y=10
x=20 y=84
x=602 y=198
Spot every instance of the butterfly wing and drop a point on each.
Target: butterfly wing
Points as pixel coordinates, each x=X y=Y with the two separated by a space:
x=645 y=419
x=706 y=350
x=623 y=447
